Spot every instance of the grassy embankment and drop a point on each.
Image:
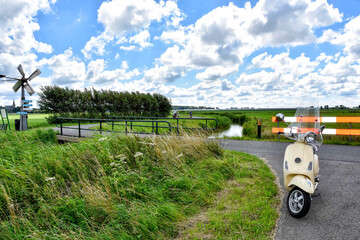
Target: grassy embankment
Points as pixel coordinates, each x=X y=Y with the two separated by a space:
x=250 y=125
x=118 y=187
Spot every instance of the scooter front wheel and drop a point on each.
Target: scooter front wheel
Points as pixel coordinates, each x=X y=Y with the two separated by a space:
x=298 y=202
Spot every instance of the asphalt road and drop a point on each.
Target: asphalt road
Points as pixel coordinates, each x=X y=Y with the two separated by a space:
x=335 y=213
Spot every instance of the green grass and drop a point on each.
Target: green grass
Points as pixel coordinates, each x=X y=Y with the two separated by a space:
x=119 y=187
x=34 y=120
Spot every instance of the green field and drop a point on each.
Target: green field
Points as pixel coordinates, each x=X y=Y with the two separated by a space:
x=34 y=120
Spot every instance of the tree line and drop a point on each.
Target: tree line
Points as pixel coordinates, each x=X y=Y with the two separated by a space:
x=91 y=103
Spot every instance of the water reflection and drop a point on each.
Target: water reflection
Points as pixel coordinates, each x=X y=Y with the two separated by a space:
x=234 y=131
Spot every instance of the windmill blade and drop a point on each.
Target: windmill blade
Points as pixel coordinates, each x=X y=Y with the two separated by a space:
x=9 y=80
x=17 y=86
x=36 y=73
x=21 y=70
x=29 y=89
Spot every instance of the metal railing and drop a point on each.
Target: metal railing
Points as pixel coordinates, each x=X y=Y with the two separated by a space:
x=177 y=127
x=127 y=123
x=83 y=124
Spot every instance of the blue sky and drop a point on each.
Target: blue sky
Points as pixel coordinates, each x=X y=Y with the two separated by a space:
x=218 y=53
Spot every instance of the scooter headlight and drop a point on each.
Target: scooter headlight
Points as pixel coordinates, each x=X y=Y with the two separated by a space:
x=310 y=137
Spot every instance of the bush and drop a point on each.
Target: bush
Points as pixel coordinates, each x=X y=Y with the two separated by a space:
x=250 y=128
x=235 y=118
x=223 y=122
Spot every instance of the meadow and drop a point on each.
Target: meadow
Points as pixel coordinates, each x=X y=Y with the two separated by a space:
x=34 y=120
x=126 y=187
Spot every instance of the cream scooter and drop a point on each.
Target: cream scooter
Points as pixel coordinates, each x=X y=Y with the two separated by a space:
x=301 y=164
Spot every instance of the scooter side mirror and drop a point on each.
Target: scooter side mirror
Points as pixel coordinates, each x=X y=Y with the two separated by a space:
x=322 y=128
x=280 y=117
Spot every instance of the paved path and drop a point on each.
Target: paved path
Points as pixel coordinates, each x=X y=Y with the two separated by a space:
x=335 y=214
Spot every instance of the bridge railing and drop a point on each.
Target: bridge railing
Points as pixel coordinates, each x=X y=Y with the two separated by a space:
x=126 y=124
x=327 y=131
x=176 y=122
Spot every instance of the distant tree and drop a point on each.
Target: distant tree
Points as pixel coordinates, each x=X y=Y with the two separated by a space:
x=93 y=103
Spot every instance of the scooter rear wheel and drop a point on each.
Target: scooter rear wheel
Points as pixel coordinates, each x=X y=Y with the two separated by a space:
x=298 y=202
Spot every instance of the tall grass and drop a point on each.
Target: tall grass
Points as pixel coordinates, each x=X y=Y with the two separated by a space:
x=111 y=187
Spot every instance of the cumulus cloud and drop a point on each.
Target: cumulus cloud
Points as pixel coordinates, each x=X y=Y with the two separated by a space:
x=97 y=75
x=222 y=38
x=96 y=45
x=217 y=72
x=66 y=69
x=127 y=21
x=17 y=26
x=349 y=38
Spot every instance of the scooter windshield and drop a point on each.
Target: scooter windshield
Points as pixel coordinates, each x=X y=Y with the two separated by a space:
x=305 y=120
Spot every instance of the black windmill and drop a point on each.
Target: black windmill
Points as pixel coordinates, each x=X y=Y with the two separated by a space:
x=23 y=83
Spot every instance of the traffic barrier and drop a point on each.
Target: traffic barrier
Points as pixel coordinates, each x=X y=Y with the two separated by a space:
x=328 y=131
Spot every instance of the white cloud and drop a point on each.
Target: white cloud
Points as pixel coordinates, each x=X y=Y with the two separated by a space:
x=350 y=38
x=97 y=75
x=66 y=70
x=96 y=45
x=226 y=35
x=121 y=16
x=282 y=63
x=127 y=21
x=17 y=26
x=217 y=72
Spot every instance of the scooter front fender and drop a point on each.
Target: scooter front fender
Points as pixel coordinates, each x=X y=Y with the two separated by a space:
x=302 y=182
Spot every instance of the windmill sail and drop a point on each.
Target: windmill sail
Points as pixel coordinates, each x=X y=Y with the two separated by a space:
x=36 y=73
x=21 y=70
x=17 y=86
x=29 y=89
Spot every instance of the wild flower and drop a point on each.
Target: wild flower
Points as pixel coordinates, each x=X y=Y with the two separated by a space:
x=148 y=143
x=49 y=178
x=138 y=154
x=121 y=157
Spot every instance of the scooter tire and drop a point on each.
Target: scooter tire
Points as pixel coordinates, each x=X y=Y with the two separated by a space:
x=298 y=202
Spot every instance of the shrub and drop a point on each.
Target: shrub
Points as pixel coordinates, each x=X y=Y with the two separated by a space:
x=223 y=122
x=250 y=128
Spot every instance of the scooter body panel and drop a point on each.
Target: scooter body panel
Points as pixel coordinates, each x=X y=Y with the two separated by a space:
x=302 y=182
x=300 y=163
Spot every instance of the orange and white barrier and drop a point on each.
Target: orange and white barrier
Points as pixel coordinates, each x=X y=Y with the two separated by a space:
x=322 y=119
x=328 y=131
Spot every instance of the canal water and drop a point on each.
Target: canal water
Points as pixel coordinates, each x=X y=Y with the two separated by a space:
x=234 y=131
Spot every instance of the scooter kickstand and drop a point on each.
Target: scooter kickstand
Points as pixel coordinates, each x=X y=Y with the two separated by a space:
x=315 y=194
